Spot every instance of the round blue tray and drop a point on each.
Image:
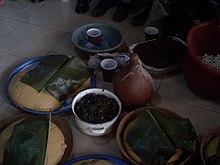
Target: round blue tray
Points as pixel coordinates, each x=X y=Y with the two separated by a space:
x=112 y=159
x=31 y=64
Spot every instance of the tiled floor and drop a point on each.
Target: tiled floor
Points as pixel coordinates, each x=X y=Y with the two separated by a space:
x=29 y=30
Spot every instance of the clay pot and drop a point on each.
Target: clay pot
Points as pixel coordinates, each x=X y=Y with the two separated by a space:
x=133 y=84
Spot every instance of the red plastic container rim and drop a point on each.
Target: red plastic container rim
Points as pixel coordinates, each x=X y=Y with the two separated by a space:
x=191 y=49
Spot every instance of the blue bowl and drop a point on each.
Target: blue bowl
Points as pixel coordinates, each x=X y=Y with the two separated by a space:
x=110 y=34
x=111 y=159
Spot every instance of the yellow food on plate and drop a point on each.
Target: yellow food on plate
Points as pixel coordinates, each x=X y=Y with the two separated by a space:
x=26 y=96
x=212 y=147
x=55 y=146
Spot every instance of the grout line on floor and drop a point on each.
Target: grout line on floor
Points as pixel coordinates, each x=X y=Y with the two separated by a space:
x=11 y=31
x=59 y=41
x=13 y=54
x=207 y=109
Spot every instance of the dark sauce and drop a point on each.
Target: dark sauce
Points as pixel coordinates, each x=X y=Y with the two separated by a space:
x=161 y=53
x=96 y=108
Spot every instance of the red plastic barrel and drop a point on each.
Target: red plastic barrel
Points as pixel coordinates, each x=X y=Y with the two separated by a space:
x=203 y=38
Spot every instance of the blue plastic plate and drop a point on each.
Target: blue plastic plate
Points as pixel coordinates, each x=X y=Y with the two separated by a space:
x=112 y=159
x=30 y=64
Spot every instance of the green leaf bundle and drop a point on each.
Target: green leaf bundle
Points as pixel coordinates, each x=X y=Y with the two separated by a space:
x=27 y=145
x=57 y=74
x=154 y=137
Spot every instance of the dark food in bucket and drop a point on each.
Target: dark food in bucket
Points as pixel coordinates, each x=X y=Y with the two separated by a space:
x=156 y=139
x=96 y=108
x=161 y=53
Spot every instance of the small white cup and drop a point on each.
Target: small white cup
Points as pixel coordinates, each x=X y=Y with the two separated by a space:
x=151 y=33
x=108 y=67
x=94 y=35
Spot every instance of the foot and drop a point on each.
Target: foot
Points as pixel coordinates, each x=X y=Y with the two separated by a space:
x=121 y=12
x=141 y=18
x=101 y=8
x=82 y=6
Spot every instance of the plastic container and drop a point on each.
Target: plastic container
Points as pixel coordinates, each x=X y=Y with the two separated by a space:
x=201 y=78
x=95 y=129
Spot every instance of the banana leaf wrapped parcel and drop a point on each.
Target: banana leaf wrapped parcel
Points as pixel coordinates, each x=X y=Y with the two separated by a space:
x=59 y=74
x=33 y=140
x=46 y=86
x=39 y=76
x=28 y=142
x=68 y=78
x=156 y=139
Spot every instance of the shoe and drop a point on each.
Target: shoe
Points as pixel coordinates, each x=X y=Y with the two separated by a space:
x=82 y=6
x=101 y=8
x=121 y=12
x=141 y=18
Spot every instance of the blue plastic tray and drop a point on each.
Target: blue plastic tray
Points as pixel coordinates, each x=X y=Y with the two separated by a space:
x=29 y=64
x=112 y=159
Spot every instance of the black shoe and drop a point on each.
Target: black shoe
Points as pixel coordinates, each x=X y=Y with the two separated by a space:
x=121 y=12
x=82 y=6
x=101 y=8
x=141 y=18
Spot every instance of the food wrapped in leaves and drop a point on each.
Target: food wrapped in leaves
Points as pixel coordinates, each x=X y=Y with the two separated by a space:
x=28 y=142
x=57 y=74
x=156 y=138
x=68 y=78
x=38 y=77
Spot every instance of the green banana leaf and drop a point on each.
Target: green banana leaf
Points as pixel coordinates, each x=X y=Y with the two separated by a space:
x=155 y=137
x=68 y=78
x=179 y=135
x=149 y=142
x=27 y=145
x=44 y=71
